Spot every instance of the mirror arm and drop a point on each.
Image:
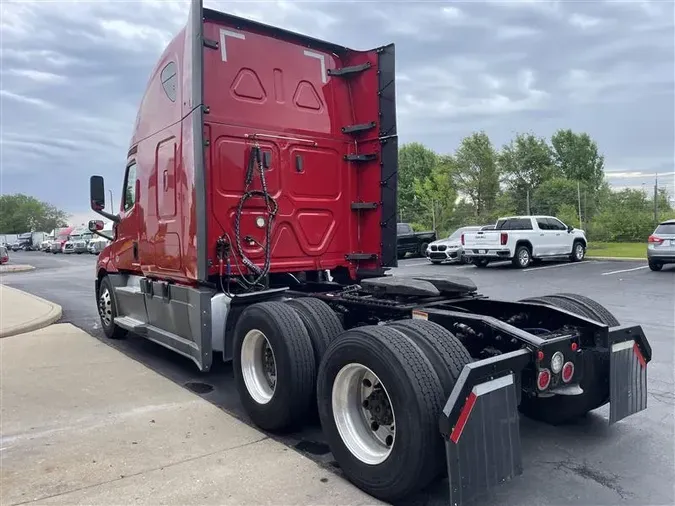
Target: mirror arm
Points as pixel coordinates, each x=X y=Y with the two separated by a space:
x=103 y=235
x=112 y=217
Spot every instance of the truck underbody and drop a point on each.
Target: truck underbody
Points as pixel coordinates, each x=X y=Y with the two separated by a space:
x=393 y=361
x=394 y=365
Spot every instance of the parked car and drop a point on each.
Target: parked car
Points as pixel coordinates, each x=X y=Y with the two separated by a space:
x=408 y=241
x=661 y=245
x=4 y=255
x=523 y=240
x=450 y=249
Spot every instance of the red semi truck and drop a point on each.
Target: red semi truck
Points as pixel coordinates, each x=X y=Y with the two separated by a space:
x=260 y=160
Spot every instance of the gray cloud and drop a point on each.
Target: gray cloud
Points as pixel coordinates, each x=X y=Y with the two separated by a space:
x=73 y=73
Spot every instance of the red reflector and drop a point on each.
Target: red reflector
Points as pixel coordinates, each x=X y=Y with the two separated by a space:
x=540 y=355
x=463 y=417
x=463 y=239
x=567 y=372
x=654 y=239
x=574 y=346
x=640 y=356
x=505 y=237
x=544 y=379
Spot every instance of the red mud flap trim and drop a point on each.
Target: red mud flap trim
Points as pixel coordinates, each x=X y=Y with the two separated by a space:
x=480 y=423
x=628 y=380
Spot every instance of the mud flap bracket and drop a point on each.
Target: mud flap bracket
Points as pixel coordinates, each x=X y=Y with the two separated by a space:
x=480 y=425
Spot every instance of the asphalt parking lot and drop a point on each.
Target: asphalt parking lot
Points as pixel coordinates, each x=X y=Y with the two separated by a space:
x=587 y=463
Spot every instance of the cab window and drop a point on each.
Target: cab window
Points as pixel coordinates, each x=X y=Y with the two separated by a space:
x=543 y=224
x=556 y=224
x=130 y=187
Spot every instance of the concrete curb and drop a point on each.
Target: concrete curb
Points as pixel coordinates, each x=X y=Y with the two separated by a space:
x=53 y=315
x=625 y=259
x=6 y=269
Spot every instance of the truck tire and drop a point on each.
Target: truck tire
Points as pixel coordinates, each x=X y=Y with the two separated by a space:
x=422 y=251
x=321 y=322
x=603 y=315
x=581 y=305
x=447 y=354
x=578 y=251
x=561 y=409
x=481 y=262
x=522 y=257
x=406 y=453
x=107 y=310
x=274 y=367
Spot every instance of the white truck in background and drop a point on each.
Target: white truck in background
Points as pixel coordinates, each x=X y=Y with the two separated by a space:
x=524 y=240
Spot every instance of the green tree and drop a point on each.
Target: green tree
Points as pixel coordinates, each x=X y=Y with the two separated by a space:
x=21 y=213
x=524 y=164
x=476 y=174
x=415 y=162
x=437 y=194
x=578 y=159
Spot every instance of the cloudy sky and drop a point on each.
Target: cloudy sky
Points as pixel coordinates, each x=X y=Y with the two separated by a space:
x=72 y=75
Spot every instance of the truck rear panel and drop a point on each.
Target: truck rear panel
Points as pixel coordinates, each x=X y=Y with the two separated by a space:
x=324 y=117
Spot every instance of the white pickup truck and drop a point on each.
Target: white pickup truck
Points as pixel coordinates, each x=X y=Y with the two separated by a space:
x=523 y=240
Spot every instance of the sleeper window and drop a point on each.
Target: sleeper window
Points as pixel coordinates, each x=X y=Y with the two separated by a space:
x=169 y=79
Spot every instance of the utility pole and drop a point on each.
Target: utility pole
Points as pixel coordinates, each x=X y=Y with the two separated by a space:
x=581 y=223
x=433 y=215
x=112 y=207
x=528 y=202
x=656 y=199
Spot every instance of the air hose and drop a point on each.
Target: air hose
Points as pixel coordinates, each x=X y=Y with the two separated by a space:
x=255 y=161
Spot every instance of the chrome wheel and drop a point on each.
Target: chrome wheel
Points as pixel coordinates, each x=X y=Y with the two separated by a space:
x=258 y=366
x=105 y=307
x=524 y=257
x=363 y=414
x=579 y=251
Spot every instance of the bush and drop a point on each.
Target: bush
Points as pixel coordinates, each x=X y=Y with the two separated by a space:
x=622 y=225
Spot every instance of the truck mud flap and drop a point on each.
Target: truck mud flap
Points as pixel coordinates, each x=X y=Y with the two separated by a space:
x=629 y=354
x=481 y=426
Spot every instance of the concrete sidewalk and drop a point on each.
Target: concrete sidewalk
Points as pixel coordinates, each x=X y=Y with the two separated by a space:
x=15 y=268
x=23 y=312
x=84 y=424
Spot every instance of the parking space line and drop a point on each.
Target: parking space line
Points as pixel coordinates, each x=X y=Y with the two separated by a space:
x=414 y=264
x=625 y=270
x=557 y=265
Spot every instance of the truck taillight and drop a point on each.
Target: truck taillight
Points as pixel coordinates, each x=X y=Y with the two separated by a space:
x=504 y=238
x=462 y=239
x=654 y=239
x=567 y=372
x=543 y=379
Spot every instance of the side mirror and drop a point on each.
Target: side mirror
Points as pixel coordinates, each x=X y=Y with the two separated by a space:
x=97 y=198
x=570 y=228
x=97 y=193
x=95 y=225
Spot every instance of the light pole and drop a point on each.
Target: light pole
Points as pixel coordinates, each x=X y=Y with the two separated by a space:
x=112 y=207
